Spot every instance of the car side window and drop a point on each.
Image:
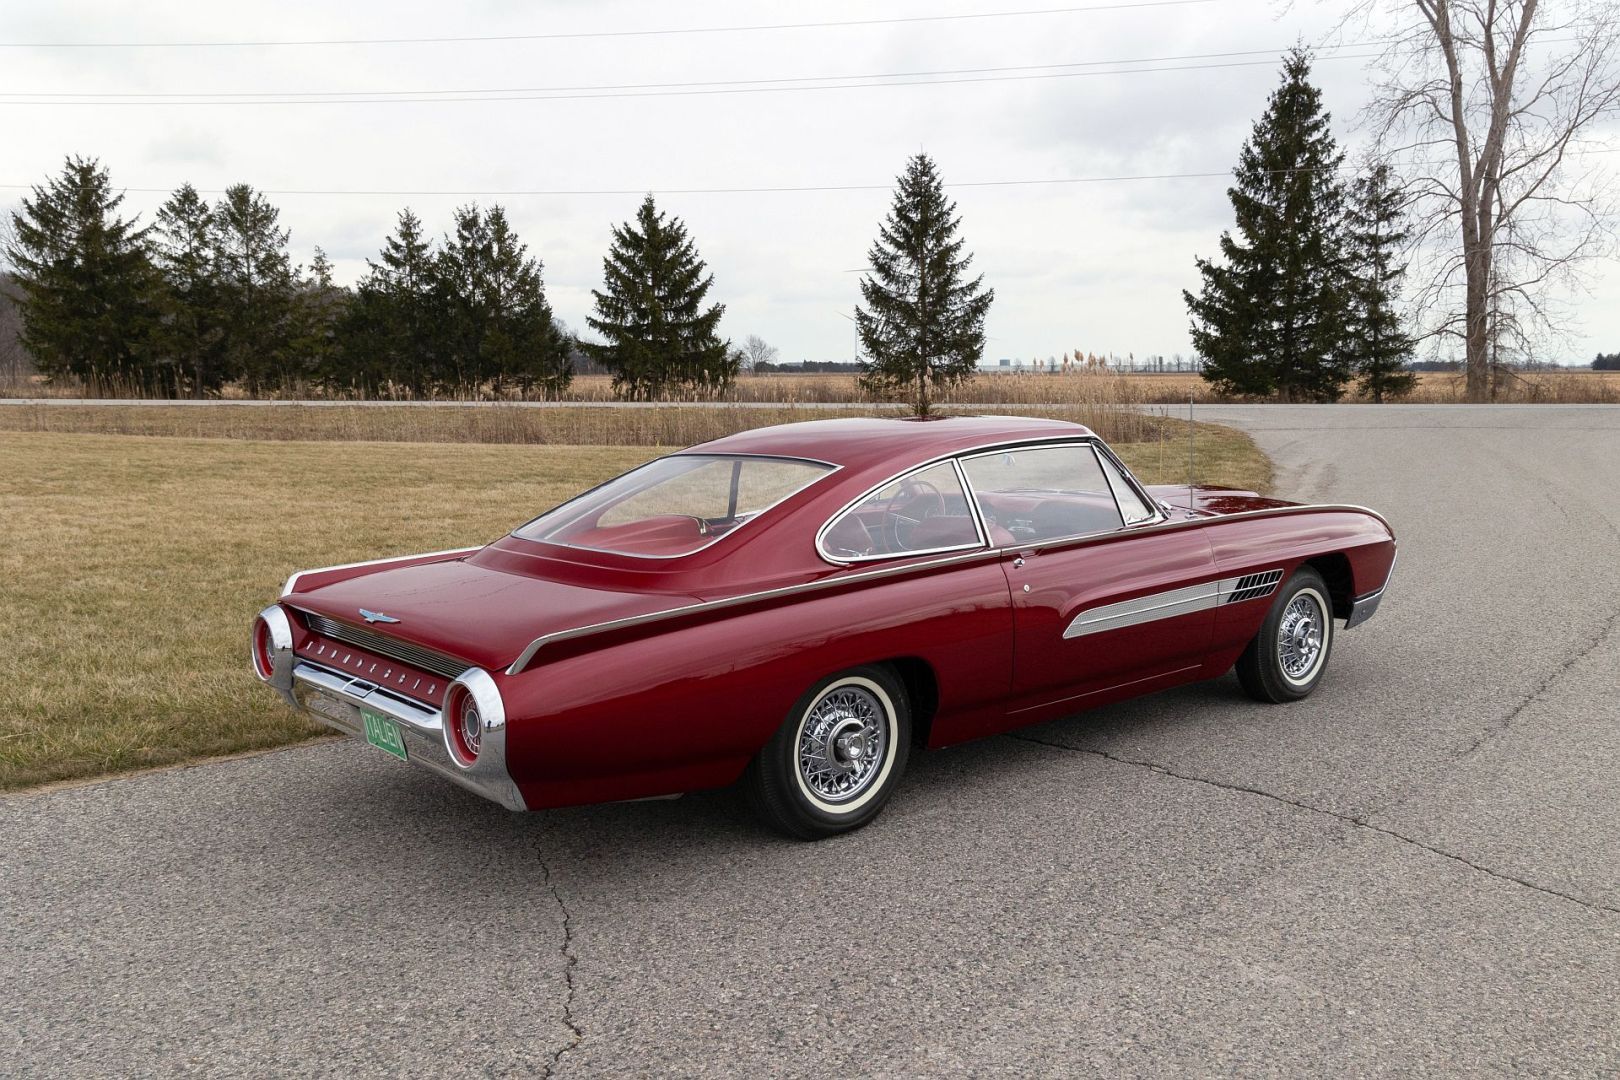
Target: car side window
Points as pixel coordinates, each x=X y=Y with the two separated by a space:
x=1042 y=493
x=1130 y=503
x=923 y=511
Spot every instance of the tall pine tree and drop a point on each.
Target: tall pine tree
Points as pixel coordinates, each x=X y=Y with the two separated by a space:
x=1272 y=318
x=85 y=281
x=660 y=337
x=392 y=333
x=190 y=336
x=922 y=325
x=1378 y=343
x=499 y=327
x=256 y=288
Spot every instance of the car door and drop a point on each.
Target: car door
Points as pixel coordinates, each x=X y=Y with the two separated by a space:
x=1102 y=600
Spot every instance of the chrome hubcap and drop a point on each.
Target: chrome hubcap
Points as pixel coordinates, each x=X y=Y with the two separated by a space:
x=1299 y=636
x=842 y=744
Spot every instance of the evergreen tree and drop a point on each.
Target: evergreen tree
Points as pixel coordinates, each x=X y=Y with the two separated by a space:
x=255 y=288
x=922 y=325
x=84 y=279
x=392 y=331
x=659 y=336
x=1378 y=345
x=1271 y=320
x=499 y=327
x=189 y=338
x=318 y=310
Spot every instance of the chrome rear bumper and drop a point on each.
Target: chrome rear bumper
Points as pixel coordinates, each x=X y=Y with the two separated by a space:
x=334 y=698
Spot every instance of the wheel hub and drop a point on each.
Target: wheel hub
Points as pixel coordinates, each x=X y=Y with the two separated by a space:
x=1299 y=637
x=842 y=744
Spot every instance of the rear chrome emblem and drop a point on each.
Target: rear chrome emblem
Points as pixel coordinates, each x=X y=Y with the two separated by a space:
x=376 y=616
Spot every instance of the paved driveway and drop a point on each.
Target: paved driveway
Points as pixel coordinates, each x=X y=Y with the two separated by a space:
x=1416 y=870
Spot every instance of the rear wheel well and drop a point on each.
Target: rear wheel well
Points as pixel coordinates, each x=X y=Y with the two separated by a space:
x=922 y=692
x=1335 y=570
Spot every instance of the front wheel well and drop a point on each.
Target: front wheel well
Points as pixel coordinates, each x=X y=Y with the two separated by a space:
x=922 y=692
x=1335 y=570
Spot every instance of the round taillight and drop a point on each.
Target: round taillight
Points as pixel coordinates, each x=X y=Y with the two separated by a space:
x=466 y=727
x=264 y=657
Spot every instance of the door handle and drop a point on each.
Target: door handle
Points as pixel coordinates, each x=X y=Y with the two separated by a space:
x=1018 y=561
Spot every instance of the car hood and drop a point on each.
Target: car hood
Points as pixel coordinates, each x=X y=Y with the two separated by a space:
x=476 y=613
x=1213 y=500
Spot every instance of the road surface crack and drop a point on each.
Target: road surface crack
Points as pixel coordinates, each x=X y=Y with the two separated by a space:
x=576 y=1033
x=1542 y=687
x=1348 y=819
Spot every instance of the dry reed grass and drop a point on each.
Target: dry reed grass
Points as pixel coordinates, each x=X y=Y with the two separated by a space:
x=668 y=425
x=1085 y=389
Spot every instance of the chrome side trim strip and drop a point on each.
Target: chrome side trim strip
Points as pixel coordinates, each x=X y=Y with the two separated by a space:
x=1173 y=602
x=292 y=582
x=525 y=657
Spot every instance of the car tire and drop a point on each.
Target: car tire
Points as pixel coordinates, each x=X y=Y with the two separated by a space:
x=837 y=757
x=1286 y=659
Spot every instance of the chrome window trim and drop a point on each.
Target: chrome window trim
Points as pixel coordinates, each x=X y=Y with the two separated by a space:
x=967 y=494
x=1158 y=512
x=1175 y=525
x=832 y=470
x=292 y=582
x=1080 y=440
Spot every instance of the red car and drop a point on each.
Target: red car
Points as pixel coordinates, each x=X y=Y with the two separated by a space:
x=798 y=607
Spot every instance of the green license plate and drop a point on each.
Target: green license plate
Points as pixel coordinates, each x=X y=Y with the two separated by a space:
x=383 y=733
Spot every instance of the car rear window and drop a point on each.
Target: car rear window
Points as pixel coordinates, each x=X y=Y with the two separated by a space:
x=675 y=505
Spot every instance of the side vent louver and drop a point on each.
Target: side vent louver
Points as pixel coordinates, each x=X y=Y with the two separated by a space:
x=1254 y=586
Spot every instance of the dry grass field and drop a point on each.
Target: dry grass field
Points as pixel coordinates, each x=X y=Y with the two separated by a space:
x=662 y=425
x=133 y=566
x=1076 y=390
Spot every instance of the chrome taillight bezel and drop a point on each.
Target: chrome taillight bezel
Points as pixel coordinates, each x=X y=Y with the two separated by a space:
x=477 y=687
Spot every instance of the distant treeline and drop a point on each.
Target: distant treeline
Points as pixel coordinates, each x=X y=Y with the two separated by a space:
x=1607 y=362
x=207 y=296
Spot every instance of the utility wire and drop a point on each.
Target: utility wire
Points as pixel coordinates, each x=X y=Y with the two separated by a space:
x=784 y=80
x=721 y=90
x=574 y=36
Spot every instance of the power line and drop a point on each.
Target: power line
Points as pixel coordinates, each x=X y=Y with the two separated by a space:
x=573 y=36
x=719 y=90
x=694 y=83
x=767 y=190
x=99 y=96
x=784 y=189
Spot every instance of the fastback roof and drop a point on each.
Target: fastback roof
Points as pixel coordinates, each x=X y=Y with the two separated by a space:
x=861 y=442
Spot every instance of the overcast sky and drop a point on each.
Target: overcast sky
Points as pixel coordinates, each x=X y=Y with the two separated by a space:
x=1096 y=266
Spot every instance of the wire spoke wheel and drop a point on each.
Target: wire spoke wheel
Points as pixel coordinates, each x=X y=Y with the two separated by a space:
x=837 y=757
x=842 y=742
x=1299 y=636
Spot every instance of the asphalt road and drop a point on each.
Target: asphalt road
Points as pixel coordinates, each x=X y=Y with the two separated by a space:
x=1415 y=871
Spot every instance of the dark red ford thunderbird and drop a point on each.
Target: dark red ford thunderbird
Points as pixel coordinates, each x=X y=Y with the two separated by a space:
x=799 y=607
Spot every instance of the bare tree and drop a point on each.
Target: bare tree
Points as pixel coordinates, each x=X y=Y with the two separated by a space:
x=757 y=351
x=1494 y=107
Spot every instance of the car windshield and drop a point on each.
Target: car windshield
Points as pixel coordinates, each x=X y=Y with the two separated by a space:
x=675 y=505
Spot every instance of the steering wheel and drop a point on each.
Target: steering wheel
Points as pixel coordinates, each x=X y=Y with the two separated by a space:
x=897 y=527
